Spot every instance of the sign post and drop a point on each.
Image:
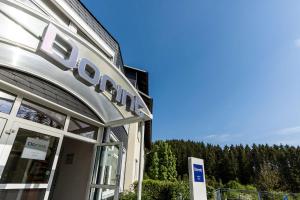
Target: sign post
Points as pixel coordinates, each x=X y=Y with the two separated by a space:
x=197 y=179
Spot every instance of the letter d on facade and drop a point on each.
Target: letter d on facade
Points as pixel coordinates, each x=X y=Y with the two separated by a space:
x=61 y=50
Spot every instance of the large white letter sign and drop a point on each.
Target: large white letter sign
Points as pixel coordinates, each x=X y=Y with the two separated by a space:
x=57 y=47
x=62 y=50
x=197 y=179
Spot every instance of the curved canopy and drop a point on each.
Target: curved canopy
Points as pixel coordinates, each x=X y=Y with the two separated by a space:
x=25 y=53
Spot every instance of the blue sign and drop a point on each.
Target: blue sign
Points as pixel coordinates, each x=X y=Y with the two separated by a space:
x=198 y=173
x=285 y=197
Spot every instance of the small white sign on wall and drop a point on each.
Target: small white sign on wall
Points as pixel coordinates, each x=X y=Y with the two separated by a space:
x=197 y=179
x=35 y=149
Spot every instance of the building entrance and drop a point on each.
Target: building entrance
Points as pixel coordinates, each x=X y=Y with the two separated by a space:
x=72 y=173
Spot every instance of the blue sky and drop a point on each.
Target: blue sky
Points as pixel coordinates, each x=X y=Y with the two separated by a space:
x=223 y=72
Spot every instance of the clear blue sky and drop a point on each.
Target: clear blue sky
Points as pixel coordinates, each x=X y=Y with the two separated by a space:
x=223 y=72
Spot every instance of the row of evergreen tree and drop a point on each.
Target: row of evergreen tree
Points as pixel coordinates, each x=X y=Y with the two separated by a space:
x=274 y=167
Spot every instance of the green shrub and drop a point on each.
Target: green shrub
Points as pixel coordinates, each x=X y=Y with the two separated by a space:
x=211 y=195
x=154 y=189
x=128 y=196
x=250 y=187
x=234 y=185
x=161 y=190
x=239 y=191
x=166 y=190
x=211 y=181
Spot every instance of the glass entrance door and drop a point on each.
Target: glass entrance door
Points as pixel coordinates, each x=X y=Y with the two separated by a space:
x=106 y=174
x=28 y=161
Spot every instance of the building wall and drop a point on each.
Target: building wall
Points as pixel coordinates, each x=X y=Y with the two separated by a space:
x=133 y=156
x=132 y=161
x=76 y=169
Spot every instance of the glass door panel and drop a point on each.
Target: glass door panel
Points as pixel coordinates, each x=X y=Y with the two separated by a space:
x=106 y=174
x=29 y=161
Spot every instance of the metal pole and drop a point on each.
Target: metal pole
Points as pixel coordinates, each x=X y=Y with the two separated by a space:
x=259 y=197
x=104 y=160
x=141 y=163
x=119 y=171
x=219 y=194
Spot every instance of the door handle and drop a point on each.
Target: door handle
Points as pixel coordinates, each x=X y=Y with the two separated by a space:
x=8 y=132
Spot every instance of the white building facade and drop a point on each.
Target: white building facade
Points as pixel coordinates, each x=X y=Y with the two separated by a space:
x=71 y=121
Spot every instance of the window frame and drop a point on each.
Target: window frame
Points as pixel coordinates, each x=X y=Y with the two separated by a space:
x=18 y=93
x=43 y=107
x=8 y=100
x=68 y=126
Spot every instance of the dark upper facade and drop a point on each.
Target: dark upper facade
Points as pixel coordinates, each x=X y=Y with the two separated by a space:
x=140 y=80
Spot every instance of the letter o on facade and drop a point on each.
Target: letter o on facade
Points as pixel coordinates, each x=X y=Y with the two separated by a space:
x=87 y=72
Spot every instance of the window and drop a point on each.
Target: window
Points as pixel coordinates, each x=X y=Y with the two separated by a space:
x=42 y=115
x=84 y=129
x=25 y=167
x=6 y=102
x=105 y=172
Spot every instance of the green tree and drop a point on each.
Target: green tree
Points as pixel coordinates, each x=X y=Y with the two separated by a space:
x=268 y=177
x=242 y=163
x=162 y=162
x=154 y=167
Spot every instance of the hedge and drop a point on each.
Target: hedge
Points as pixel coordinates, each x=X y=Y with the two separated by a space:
x=162 y=190
x=159 y=190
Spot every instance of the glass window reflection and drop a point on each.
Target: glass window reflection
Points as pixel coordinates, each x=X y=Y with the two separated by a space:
x=100 y=193
x=42 y=115
x=6 y=102
x=105 y=171
x=28 y=164
x=23 y=194
x=84 y=129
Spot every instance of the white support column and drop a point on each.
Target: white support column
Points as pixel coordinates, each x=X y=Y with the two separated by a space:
x=141 y=162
